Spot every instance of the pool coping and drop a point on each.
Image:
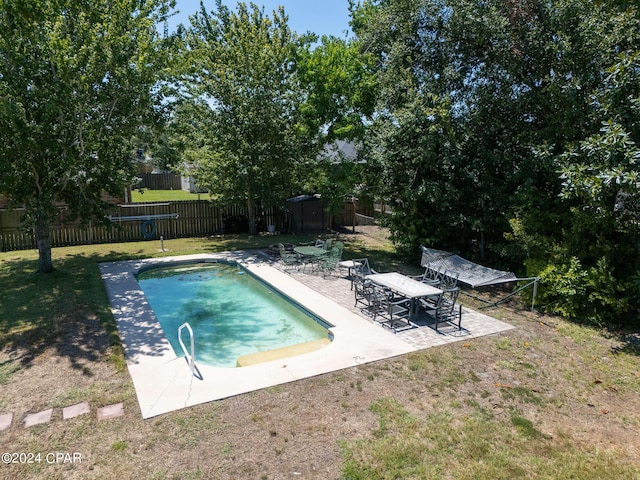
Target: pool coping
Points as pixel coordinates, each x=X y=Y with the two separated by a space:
x=163 y=381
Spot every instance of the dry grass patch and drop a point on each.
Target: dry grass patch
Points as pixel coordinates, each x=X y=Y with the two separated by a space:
x=549 y=399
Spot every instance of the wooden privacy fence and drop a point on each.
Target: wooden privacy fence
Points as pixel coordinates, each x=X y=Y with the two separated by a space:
x=132 y=222
x=352 y=214
x=137 y=221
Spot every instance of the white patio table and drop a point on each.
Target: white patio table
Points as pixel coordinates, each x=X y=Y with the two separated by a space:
x=405 y=286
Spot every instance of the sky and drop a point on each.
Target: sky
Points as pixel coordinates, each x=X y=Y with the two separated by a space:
x=323 y=17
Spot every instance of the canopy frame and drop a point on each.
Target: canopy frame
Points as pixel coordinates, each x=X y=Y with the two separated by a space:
x=475 y=275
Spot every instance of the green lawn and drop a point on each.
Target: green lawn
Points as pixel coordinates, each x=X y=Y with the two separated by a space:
x=547 y=400
x=147 y=195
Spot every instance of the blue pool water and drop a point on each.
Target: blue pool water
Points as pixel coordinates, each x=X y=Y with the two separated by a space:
x=231 y=312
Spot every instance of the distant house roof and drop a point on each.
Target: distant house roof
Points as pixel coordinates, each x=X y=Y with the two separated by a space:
x=341 y=150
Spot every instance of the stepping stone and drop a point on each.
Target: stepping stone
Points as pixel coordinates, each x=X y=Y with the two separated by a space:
x=5 y=421
x=75 y=410
x=38 y=418
x=111 y=411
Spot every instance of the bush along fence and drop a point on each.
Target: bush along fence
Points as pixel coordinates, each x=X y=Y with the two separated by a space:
x=137 y=221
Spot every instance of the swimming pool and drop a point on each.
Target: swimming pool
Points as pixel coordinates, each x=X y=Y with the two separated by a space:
x=162 y=379
x=232 y=313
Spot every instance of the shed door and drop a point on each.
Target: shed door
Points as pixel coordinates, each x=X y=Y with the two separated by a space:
x=313 y=217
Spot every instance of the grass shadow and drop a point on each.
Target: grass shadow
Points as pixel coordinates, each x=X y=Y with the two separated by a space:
x=66 y=310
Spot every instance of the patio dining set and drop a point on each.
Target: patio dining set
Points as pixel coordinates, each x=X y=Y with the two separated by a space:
x=394 y=300
x=397 y=300
x=322 y=256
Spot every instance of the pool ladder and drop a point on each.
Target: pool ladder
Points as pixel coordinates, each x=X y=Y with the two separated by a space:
x=191 y=356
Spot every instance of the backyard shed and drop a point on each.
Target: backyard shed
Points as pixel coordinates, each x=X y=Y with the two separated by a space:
x=306 y=214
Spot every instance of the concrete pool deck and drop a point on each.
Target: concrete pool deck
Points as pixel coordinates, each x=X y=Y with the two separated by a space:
x=163 y=381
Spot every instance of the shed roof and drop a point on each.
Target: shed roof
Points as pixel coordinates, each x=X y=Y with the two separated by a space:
x=303 y=198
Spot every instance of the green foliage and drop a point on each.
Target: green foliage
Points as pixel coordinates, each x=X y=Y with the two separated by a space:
x=442 y=137
x=77 y=86
x=588 y=294
x=241 y=75
x=606 y=165
x=262 y=105
x=505 y=132
x=600 y=180
x=340 y=100
x=568 y=287
x=341 y=88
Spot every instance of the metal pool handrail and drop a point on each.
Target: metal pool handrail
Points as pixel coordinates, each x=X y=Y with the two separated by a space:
x=191 y=358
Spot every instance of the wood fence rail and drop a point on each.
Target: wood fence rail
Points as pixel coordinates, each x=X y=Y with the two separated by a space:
x=132 y=222
x=135 y=221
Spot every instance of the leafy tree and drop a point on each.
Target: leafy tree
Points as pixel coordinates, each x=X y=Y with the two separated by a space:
x=340 y=101
x=439 y=82
x=485 y=133
x=341 y=87
x=584 y=238
x=601 y=183
x=243 y=76
x=77 y=85
x=603 y=170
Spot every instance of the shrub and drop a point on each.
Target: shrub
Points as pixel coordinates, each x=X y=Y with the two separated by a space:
x=590 y=294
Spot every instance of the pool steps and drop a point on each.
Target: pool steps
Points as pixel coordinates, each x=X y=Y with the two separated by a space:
x=280 y=353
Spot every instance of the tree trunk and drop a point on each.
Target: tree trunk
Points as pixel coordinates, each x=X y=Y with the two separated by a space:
x=251 y=211
x=45 y=264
